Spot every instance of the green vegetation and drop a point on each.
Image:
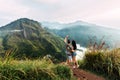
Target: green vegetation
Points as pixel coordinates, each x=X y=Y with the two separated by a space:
x=25 y=51
x=82 y=31
x=38 y=69
x=63 y=72
x=33 y=70
x=30 y=40
x=103 y=62
x=24 y=43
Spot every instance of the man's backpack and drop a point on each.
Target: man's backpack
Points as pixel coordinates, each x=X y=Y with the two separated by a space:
x=69 y=48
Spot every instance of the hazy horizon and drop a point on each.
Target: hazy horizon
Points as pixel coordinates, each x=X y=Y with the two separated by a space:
x=100 y=12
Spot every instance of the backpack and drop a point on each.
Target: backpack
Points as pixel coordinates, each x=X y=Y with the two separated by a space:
x=69 y=48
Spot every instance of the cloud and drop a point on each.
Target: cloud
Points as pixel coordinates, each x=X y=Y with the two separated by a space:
x=12 y=7
x=11 y=10
x=96 y=11
x=48 y=1
x=12 y=31
x=108 y=18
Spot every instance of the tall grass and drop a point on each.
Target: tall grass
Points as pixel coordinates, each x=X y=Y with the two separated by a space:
x=38 y=69
x=105 y=62
x=101 y=59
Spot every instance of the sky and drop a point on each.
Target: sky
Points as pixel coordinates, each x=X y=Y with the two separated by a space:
x=100 y=12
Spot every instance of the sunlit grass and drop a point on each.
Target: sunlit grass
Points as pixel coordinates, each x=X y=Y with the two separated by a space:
x=36 y=69
x=105 y=62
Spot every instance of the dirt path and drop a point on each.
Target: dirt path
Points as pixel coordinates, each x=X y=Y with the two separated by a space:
x=83 y=75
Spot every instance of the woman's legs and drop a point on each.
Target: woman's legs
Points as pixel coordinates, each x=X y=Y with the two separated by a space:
x=75 y=62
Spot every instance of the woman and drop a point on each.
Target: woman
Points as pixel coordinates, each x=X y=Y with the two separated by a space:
x=68 y=50
x=74 y=47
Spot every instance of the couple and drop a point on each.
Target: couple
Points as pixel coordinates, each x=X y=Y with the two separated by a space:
x=71 y=52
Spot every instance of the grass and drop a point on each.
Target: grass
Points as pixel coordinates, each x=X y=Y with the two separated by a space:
x=101 y=60
x=106 y=63
x=37 y=69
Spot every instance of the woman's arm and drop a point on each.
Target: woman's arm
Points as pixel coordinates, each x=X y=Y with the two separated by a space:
x=73 y=49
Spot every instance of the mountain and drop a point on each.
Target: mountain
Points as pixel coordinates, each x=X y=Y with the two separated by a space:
x=83 y=32
x=30 y=40
x=51 y=25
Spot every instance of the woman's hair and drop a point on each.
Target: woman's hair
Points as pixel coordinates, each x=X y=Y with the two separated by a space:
x=74 y=44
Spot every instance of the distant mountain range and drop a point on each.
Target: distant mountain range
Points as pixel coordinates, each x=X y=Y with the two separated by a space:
x=30 y=40
x=82 y=32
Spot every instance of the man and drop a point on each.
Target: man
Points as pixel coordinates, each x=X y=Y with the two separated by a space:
x=68 y=50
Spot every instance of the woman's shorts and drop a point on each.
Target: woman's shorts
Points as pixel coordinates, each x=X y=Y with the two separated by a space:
x=74 y=54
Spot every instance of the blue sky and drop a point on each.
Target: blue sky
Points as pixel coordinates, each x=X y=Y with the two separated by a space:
x=100 y=12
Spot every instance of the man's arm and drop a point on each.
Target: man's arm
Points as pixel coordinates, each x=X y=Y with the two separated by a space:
x=66 y=38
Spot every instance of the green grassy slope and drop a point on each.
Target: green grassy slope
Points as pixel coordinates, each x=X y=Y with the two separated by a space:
x=31 y=40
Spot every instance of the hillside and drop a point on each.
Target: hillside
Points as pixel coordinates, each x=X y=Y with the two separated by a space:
x=30 y=39
x=82 y=32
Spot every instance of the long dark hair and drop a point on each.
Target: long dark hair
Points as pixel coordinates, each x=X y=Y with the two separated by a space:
x=74 y=44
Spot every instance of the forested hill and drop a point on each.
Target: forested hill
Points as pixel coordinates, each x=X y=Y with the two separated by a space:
x=30 y=39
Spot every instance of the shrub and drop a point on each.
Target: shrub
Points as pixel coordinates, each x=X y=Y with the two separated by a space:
x=92 y=60
x=36 y=69
x=104 y=62
x=63 y=72
x=42 y=69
